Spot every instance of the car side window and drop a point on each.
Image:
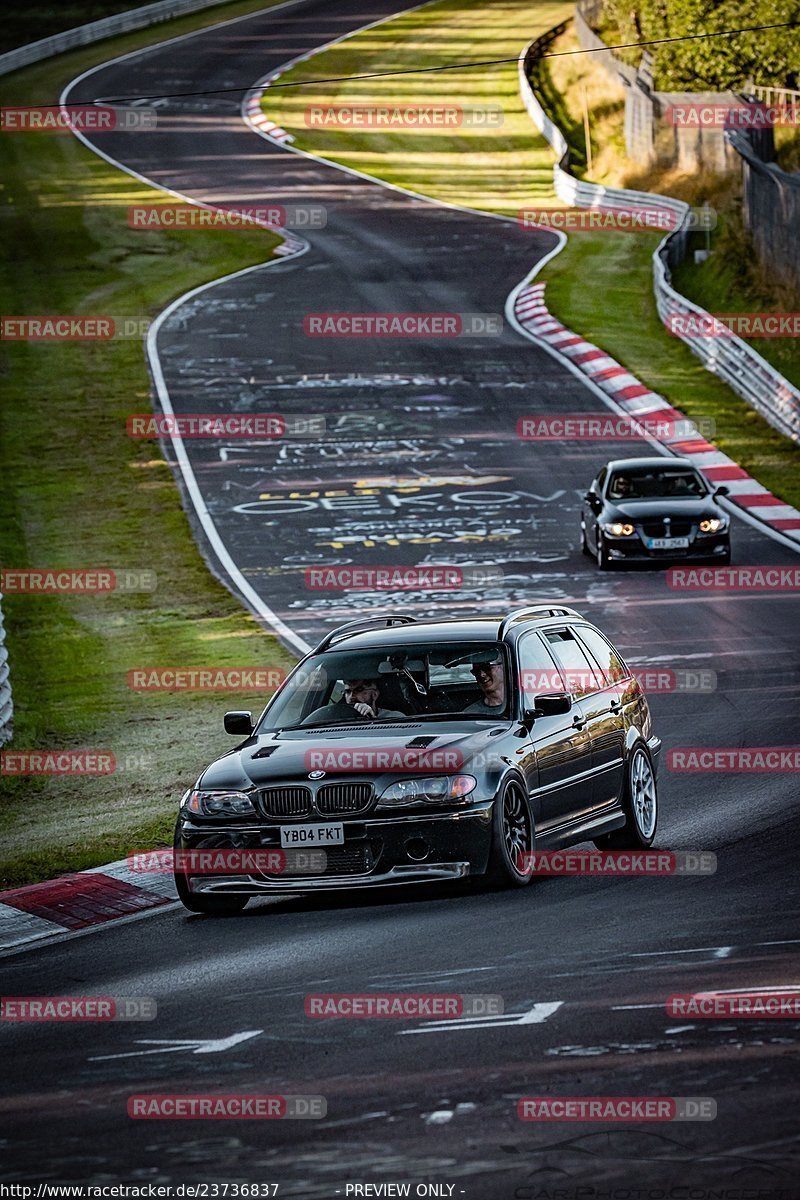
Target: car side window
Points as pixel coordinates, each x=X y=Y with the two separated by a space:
x=538 y=671
x=612 y=667
x=600 y=482
x=581 y=676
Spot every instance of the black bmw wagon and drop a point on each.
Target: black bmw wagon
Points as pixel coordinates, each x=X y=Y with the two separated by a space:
x=401 y=752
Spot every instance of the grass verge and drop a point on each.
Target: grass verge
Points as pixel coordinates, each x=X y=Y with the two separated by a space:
x=502 y=169
x=77 y=492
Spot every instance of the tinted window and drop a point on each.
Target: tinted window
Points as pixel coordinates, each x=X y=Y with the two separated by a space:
x=538 y=673
x=655 y=482
x=581 y=676
x=611 y=665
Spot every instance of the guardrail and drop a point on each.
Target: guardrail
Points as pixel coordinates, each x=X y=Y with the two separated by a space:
x=95 y=31
x=6 y=703
x=733 y=360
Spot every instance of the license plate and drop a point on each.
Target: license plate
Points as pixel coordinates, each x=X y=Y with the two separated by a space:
x=668 y=543
x=312 y=835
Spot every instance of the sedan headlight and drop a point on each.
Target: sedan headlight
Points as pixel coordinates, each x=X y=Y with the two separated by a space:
x=219 y=804
x=438 y=789
x=713 y=524
x=619 y=529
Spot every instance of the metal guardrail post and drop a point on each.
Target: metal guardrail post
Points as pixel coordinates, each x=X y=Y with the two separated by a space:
x=6 y=703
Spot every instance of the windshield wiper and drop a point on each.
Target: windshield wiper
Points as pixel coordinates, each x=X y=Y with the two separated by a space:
x=439 y=716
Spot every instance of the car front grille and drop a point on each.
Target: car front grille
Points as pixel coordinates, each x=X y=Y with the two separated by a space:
x=285 y=801
x=354 y=858
x=658 y=529
x=344 y=797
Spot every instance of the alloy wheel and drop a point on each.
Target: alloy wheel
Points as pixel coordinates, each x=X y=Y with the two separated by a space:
x=643 y=794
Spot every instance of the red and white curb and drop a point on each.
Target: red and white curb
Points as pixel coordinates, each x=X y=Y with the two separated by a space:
x=72 y=903
x=638 y=401
x=253 y=111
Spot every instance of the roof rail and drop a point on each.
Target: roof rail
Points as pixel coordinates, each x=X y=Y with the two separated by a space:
x=363 y=623
x=537 y=610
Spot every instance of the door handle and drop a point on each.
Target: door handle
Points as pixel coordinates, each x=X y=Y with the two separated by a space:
x=615 y=706
x=579 y=722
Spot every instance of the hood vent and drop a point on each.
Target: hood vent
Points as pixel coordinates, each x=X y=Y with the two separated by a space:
x=420 y=743
x=265 y=751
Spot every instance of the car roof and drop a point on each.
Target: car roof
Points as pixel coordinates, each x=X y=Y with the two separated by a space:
x=619 y=464
x=454 y=629
x=446 y=630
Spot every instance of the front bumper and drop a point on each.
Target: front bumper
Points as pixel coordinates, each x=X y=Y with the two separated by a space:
x=633 y=549
x=378 y=851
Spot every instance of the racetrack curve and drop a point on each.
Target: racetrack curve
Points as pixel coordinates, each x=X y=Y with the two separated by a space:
x=445 y=410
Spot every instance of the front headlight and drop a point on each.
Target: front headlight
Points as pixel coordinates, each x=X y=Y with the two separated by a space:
x=219 y=804
x=437 y=789
x=713 y=524
x=619 y=529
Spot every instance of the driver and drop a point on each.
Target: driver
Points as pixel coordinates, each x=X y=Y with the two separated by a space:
x=360 y=701
x=490 y=677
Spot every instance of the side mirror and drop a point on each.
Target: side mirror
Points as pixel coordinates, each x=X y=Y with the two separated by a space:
x=240 y=723
x=554 y=704
x=722 y=491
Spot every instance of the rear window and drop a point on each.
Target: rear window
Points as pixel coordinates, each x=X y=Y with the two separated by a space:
x=612 y=668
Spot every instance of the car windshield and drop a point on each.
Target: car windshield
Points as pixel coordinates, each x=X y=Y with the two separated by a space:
x=418 y=681
x=655 y=483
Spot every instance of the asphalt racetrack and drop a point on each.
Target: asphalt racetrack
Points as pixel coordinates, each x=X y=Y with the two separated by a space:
x=420 y=464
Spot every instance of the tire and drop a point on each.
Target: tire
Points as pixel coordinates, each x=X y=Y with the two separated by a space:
x=212 y=906
x=584 y=544
x=512 y=836
x=640 y=804
x=601 y=554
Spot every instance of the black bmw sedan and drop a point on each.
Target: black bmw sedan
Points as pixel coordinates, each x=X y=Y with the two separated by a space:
x=400 y=752
x=652 y=510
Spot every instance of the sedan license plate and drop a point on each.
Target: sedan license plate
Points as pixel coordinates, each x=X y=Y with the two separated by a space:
x=312 y=835
x=668 y=543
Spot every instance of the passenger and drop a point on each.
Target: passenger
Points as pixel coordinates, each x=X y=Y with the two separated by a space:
x=360 y=701
x=490 y=677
